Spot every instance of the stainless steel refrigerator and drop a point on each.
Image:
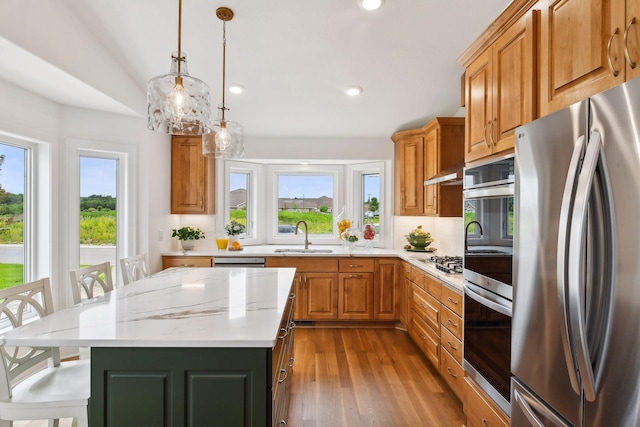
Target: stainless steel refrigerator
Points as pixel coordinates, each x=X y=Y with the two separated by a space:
x=575 y=347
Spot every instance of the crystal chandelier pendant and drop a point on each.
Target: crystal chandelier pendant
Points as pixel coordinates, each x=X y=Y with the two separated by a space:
x=223 y=138
x=178 y=103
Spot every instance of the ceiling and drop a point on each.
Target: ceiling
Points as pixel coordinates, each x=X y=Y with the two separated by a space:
x=294 y=57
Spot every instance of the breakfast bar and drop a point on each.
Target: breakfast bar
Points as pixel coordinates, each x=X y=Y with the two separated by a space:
x=191 y=346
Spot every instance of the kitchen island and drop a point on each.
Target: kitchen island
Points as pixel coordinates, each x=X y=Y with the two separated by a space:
x=197 y=346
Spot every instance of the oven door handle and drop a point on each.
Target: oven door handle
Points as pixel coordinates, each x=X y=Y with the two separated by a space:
x=488 y=299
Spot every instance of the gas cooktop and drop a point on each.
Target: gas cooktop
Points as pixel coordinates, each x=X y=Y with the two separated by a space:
x=447 y=264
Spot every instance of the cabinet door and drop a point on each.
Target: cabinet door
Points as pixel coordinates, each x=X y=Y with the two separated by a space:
x=514 y=77
x=355 y=296
x=409 y=185
x=479 y=86
x=431 y=155
x=320 y=296
x=192 y=177
x=632 y=40
x=386 y=287
x=431 y=199
x=581 y=50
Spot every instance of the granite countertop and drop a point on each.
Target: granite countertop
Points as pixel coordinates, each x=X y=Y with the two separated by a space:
x=417 y=259
x=196 y=307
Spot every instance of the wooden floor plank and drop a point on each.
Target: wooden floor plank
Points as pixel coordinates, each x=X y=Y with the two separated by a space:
x=366 y=377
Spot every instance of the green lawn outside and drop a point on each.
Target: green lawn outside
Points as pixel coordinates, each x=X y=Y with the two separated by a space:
x=11 y=275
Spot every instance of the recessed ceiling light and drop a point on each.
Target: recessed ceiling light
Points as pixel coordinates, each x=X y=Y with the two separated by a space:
x=353 y=91
x=370 y=4
x=236 y=88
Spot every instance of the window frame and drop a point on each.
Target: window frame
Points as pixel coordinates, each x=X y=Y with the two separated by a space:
x=264 y=198
x=126 y=237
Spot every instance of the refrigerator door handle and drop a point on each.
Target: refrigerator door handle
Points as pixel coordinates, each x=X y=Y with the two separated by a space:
x=526 y=410
x=577 y=273
x=488 y=299
x=563 y=245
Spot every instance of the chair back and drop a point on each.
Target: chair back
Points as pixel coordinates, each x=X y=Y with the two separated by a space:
x=134 y=268
x=94 y=280
x=20 y=305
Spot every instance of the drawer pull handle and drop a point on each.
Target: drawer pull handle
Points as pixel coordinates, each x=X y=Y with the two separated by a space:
x=484 y=422
x=283 y=423
x=292 y=295
x=355 y=265
x=423 y=336
x=188 y=265
x=354 y=276
x=422 y=305
x=292 y=325
x=453 y=347
x=291 y=362
x=284 y=332
x=455 y=325
x=452 y=301
x=450 y=372
x=282 y=371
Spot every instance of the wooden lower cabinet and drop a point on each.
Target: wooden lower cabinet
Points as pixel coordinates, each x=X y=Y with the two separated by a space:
x=318 y=296
x=386 y=289
x=187 y=261
x=479 y=409
x=355 y=296
x=452 y=373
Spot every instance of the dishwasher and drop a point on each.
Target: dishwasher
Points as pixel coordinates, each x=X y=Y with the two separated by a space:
x=239 y=262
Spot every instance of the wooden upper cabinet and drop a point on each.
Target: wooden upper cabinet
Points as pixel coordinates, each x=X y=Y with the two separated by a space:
x=581 y=49
x=500 y=85
x=632 y=39
x=192 y=177
x=409 y=172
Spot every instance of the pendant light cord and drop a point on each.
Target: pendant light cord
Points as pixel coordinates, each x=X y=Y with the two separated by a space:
x=179 y=34
x=224 y=64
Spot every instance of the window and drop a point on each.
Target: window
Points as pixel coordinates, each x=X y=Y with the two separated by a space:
x=305 y=197
x=98 y=207
x=14 y=224
x=273 y=198
x=239 y=192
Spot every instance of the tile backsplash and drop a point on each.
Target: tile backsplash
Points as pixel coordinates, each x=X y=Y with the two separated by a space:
x=447 y=232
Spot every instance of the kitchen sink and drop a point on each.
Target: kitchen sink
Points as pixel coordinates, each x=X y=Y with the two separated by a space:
x=303 y=251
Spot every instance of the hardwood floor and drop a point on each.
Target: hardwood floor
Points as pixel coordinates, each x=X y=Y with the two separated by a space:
x=366 y=377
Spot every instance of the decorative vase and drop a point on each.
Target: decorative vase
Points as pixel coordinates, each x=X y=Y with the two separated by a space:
x=234 y=242
x=187 y=245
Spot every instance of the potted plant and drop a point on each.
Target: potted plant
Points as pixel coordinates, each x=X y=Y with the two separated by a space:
x=187 y=235
x=233 y=229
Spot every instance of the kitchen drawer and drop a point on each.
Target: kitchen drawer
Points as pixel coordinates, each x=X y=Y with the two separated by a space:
x=356 y=265
x=427 y=308
x=418 y=276
x=186 y=261
x=452 y=373
x=452 y=322
x=452 y=344
x=426 y=338
x=305 y=264
x=432 y=286
x=406 y=270
x=452 y=300
x=479 y=409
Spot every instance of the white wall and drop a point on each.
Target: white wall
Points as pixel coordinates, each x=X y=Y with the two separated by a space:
x=447 y=232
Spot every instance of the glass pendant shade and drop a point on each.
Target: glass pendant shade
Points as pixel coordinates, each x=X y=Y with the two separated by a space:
x=223 y=139
x=178 y=103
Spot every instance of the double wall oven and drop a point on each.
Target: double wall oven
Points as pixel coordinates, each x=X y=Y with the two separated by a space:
x=487 y=272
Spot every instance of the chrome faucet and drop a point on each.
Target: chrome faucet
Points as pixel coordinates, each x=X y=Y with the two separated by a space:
x=466 y=231
x=306 y=233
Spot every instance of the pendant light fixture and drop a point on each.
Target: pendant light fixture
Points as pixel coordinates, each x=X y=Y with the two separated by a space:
x=178 y=103
x=223 y=138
